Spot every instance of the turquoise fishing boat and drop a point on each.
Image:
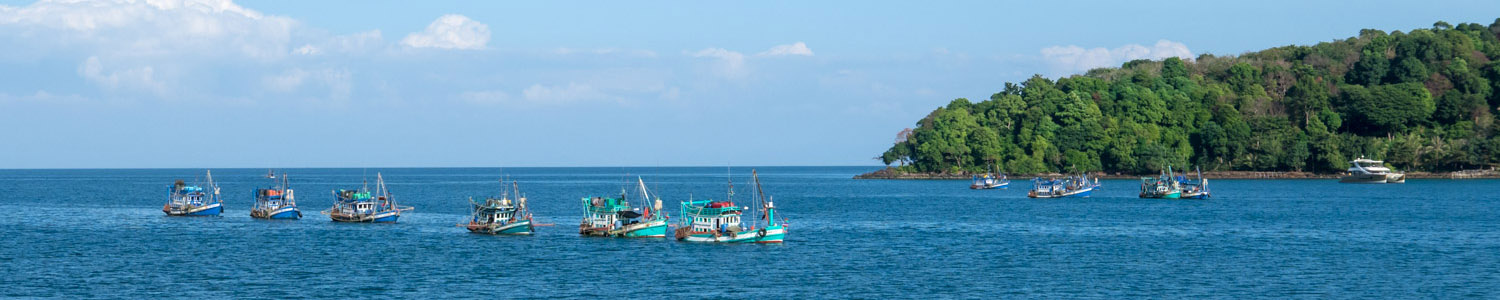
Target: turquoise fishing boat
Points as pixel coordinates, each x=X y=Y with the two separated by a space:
x=275 y=202
x=360 y=206
x=501 y=215
x=614 y=217
x=709 y=221
x=1077 y=186
x=193 y=200
x=1163 y=186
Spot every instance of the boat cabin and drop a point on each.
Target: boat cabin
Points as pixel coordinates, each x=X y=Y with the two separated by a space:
x=1367 y=166
x=720 y=216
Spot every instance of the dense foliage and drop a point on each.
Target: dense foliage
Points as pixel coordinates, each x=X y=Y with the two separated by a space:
x=1422 y=100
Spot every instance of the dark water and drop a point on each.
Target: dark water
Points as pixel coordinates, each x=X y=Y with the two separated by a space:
x=101 y=234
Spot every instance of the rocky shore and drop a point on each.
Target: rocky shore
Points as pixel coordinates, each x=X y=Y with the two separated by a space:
x=891 y=173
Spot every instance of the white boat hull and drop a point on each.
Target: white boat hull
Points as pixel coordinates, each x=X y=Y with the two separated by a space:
x=772 y=235
x=1373 y=178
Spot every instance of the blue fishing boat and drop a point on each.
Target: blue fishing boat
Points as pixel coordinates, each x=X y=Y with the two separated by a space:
x=986 y=181
x=1194 y=189
x=1163 y=186
x=193 y=200
x=360 y=206
x=709 y=221
x=501 y=215
x=275 y=202
x=614 y=217
x=1077 y=186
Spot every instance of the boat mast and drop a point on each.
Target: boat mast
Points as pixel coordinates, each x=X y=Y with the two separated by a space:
x=762 y=195
x=210 y=175
x=381 y=192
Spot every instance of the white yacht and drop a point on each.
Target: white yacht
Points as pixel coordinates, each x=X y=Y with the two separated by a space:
x=1364 y=170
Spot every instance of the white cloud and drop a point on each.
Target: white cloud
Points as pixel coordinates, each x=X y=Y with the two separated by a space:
x=142 y=78
x=357 y=43
x=1074 y=59
x=151 y=28
x=538 y=93
x=308 y=50
x=605 y=51
x=485 y=97
x=731 y=64
x=450 y=32
x=338 y=82
x=798 y=48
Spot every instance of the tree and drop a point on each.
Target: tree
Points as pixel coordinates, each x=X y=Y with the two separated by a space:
x=1306 y=97
x=1173 y=67
x=1370 y=69
x=1387 y=109
x=1408 y=69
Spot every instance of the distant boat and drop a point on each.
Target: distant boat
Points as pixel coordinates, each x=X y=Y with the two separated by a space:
x=1194 y=190
x=987 y=181
x=275 y=202
x=1164 y=186
x=1077 y=186
x=501 y=215
x=615 y=218
x=193 y=200
x=1363 y=170
x=271 y=174
x=709 y=221
x=363 y=207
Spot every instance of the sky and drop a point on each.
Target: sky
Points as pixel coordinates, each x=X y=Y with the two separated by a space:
x=262 y=84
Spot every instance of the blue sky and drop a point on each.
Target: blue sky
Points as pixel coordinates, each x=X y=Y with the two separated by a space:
x=160 y=84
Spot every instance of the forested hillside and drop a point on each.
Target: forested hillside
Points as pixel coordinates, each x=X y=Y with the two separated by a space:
x=1421 y=100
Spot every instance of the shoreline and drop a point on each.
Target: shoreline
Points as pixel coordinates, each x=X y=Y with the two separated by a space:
x=890 y=173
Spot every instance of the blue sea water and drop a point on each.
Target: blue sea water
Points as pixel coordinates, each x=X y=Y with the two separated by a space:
x=101 y=234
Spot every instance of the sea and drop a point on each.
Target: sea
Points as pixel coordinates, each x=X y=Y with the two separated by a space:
x=88 y=234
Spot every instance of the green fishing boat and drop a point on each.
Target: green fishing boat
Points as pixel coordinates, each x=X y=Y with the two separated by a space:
x=614 y=217
x=1163 y=186
x=710 y=221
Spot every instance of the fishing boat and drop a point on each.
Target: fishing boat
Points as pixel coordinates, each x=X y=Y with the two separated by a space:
x=1364 y=170
x=360 y=206
x=986 y=181
x=275 y=202
x=501 y=215
x=709 y=221
x=1076 y=186
x=614 y=217
x=1194 y=189
x=1164 y=186
x=271 y=174
x=193 y=200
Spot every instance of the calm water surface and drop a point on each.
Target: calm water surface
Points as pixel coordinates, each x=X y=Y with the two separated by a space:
x=101 y=234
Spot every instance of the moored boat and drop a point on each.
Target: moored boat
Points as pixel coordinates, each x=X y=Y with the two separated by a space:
x=710 y=221
x=1192 y=189
x=614 y=217
x=501 y=215
x=1364 y=170
x=988 y=181
x=1163 y=186
x=193 y=200
x=275 y=202
x=360 y=206
x=1077 y=186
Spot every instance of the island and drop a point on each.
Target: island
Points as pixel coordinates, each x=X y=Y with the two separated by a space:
x=1424 y=101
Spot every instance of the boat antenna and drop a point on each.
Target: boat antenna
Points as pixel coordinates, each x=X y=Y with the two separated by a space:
x=729 y=175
